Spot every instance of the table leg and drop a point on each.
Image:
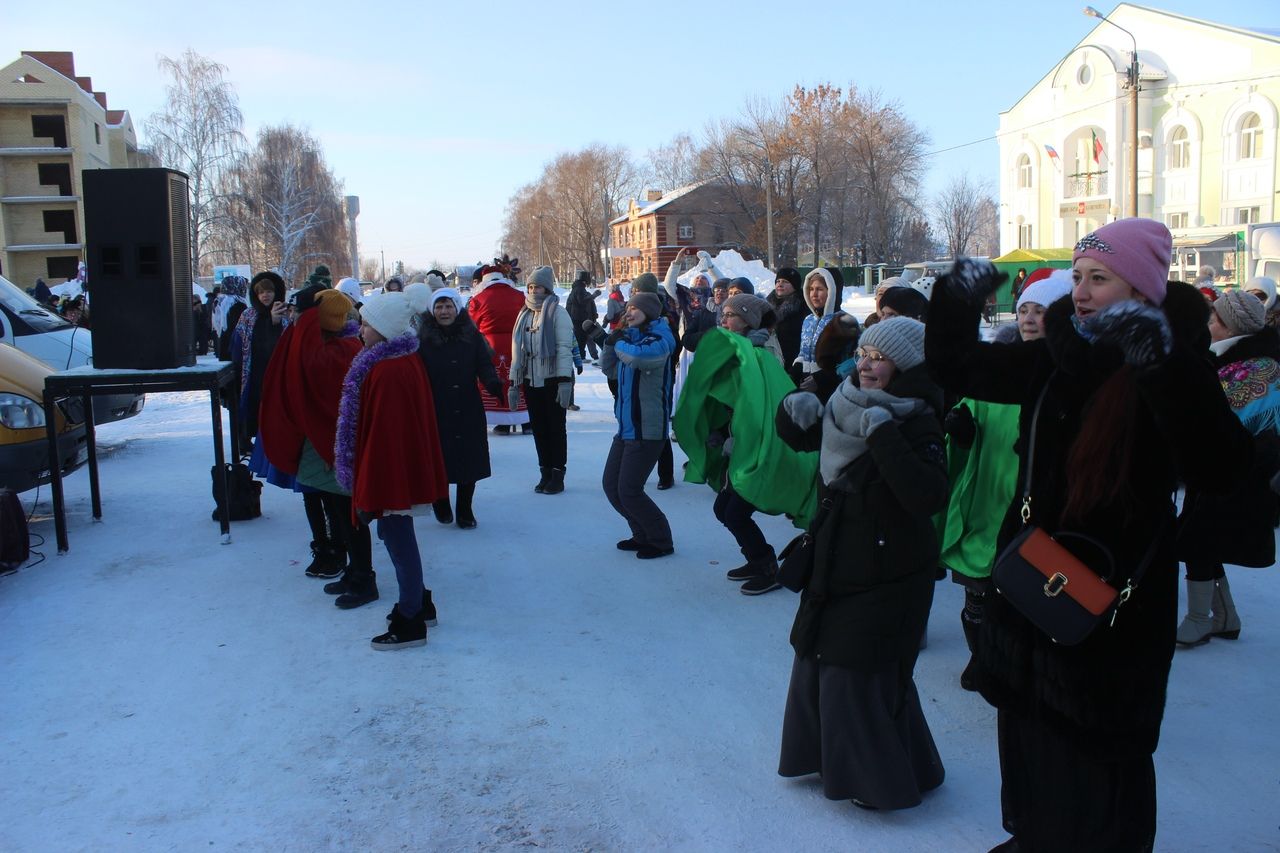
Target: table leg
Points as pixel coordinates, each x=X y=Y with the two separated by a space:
x=233 y=418
x=55 y=472
x=220 y=464
x=90 y=437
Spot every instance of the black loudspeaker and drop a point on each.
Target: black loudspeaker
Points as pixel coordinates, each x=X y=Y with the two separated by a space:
x=139 y=267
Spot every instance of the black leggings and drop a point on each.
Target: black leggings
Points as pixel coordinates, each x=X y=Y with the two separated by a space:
x=352 y=536
x=735 y=514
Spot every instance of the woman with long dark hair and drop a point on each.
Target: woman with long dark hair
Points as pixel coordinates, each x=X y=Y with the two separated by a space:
x=1126 y=407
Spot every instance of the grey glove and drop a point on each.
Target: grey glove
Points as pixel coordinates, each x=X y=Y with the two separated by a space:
x=1140 y=331
x=564 y=393
x=727 y=447
x=803 y=408
x=758 y=337
x=589 y=326
x=972 y=281
x=513 y=397
x=874 y=418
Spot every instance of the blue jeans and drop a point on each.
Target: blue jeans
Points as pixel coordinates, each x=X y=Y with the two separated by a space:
x=396 y=532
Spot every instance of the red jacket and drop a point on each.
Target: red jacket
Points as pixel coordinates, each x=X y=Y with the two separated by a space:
x=398 y=463
x=301 y=391
x=494 y=311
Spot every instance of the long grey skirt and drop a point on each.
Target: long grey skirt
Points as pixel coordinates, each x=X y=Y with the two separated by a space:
x=863 y=731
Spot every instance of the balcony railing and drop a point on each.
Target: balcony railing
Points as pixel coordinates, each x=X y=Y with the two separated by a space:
x=1086 y=185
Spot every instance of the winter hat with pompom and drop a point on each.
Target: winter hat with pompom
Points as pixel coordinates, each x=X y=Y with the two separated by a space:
x=333 y=308
x=900 y=339
x=392 y=314
x=1241 y=312
x=1136 y=250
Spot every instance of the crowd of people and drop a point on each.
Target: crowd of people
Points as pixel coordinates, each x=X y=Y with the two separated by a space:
x=904 y=448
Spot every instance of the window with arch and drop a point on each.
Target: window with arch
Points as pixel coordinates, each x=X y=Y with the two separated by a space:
x=1179 y=148
x=1024 y=172
x=1250 y=136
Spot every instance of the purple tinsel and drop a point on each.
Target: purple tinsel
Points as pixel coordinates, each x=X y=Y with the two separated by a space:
x=344 y=449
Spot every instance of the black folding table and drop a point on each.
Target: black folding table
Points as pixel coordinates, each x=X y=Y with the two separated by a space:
x=86 y=383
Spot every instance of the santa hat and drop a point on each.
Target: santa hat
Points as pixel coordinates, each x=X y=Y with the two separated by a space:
x=392 y=314
x=1046 y=291
x=490 y=274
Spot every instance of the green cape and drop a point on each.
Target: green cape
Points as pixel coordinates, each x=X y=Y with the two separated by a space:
x=983 y=480
x=732 y=382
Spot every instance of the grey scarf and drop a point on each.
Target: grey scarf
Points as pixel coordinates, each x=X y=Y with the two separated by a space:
x=843 y=439
x=542 y=328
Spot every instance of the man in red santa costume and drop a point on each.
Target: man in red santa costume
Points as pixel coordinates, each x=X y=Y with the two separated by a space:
x=494 y=309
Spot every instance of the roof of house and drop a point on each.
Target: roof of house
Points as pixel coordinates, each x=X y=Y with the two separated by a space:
x=644 y=208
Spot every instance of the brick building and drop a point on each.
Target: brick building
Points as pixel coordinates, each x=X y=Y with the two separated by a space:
x=656 y=226
x=53 y=125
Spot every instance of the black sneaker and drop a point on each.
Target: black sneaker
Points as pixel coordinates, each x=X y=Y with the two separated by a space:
x=328 y=561
x=629 y=545
x=760 y=585
x=428 y=610
x=401 y=634
x=651 y=552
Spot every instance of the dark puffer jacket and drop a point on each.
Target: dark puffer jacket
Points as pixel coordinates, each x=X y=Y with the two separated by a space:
x=1106 y=694
x=877 y=549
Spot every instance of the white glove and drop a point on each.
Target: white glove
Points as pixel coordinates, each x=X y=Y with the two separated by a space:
x=803 y=408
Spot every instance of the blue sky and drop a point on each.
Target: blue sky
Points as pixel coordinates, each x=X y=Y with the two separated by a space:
x=435 y=113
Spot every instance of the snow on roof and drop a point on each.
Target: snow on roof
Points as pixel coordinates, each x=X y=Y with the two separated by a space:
x=644 y=208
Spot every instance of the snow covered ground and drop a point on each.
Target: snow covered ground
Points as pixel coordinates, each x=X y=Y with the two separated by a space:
x=166 y=692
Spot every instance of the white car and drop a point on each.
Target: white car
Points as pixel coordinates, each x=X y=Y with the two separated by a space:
x=42 y=333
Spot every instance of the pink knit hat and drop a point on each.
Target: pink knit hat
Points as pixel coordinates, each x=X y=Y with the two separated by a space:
x=1137 y=250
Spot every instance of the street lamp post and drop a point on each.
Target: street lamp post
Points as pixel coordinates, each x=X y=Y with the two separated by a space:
x=1133 y=110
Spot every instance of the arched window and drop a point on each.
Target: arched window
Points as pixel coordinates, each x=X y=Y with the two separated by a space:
x=1250 y=136
x=1024 y=172
x=1179 y=149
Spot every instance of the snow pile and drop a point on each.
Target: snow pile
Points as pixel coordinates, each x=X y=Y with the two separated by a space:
x=730 y=264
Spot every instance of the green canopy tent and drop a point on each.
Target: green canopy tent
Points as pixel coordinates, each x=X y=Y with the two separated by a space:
x=1030 y=260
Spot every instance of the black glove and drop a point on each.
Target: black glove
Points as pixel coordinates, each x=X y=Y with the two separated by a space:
x=1140 y=331
x=614 y=337
x=495 y=390
x=578 y=367
x=972 y=281
x=960 y=426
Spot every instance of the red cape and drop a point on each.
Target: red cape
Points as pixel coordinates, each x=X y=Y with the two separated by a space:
x=398 y=462
x=301 y=391
x=494 y=311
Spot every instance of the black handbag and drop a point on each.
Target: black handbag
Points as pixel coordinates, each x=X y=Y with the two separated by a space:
x=246 y=492
x=1062 y=583
x=796 y=560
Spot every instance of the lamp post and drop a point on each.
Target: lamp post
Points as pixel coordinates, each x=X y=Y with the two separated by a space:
x=1133 y=110
x=539 y=218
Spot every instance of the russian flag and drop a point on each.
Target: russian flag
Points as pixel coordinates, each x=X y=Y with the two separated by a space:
x=1053 y=154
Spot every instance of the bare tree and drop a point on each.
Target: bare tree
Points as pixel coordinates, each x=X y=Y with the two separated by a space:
x=369 y=268
x=674 y=165
x=961 y=209
x=198 y=131
x=284 y=203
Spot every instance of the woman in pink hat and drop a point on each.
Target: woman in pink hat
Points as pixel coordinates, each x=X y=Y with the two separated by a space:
x=1127 y=402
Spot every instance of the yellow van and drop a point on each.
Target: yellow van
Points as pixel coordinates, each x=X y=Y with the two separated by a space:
x=24 y=454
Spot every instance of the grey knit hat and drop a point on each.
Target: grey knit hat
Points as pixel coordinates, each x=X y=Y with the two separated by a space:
x=646 y=282
x=544 y=277
x=901 y=339
x=1241 y=312
x=750 y=308
x=651 y=307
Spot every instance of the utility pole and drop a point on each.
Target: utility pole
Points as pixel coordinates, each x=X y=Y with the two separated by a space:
x=383 y=253
x=768 y=207
x=1132 y=79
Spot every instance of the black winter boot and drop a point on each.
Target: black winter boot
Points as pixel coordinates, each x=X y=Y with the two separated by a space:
x=766 y=578
x=327 y=559
x=555 y=481
x=542 y=481
x=402 y=633
x=745 y=572
x=428 y=609
x=444 y=514
x=362 y=588
x=466 y=518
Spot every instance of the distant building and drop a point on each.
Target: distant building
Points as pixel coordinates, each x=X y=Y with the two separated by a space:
x=53 y=125
x=1207 y=120
x=657 y=226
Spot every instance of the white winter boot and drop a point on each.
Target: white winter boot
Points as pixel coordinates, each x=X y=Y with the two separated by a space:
x=1197 y=626
x=1226 y=621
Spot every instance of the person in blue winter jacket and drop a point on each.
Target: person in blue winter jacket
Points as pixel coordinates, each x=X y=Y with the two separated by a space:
x=641 y=350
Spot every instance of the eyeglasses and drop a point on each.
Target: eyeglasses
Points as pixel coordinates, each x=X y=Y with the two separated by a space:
x=730 y=314
x=875 y=357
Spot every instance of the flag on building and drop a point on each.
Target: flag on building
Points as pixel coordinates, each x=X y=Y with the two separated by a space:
x=1097 y=146
x=1053 y=155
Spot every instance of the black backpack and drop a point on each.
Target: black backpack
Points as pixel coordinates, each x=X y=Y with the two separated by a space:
x=246 y=492
x=15 y=545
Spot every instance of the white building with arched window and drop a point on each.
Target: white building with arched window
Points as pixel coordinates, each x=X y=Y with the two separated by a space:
x=1206 y=131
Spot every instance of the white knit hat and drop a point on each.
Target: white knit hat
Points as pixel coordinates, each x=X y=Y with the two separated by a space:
x=392 y=314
